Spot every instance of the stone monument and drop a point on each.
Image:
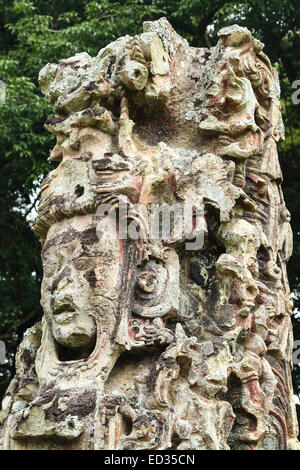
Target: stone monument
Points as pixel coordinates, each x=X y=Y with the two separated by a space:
x=165 y=238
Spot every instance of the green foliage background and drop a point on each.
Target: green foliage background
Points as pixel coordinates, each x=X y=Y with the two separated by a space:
x=34 y=32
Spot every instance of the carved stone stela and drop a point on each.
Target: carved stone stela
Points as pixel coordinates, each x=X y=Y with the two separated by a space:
x=146 y=343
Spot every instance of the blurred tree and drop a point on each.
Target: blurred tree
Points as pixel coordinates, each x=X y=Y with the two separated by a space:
x=34 y=32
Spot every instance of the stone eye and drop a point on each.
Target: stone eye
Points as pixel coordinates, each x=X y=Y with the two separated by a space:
x=83 y=263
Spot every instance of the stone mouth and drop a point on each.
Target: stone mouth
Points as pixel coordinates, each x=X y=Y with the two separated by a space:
x=110 y=171
x=248 y=303
x=77 y=355
x=215 y=383
x=106 y=164
x=224 y=140
x=64 y=308
x=68 y=355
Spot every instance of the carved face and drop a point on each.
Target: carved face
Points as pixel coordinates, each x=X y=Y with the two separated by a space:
x=80 y=284
x=114 y=173
x=243 y=292
x=241 y=147
x=88 y=167
x=211 y=371
x=107 y=171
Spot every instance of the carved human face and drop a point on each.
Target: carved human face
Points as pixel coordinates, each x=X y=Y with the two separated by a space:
x=107 y=170
x=240 y=147
x=81 y=280
x=88 y=167
x=243 y=292
x=211 y=371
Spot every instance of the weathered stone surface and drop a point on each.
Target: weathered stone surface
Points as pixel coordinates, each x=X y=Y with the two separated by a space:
x=160 y=342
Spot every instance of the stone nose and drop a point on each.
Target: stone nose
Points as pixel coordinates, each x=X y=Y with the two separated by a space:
x=251 y=291
x=63 y=298
x=62 y=301
x=62 y=281
x=249 y=288
x=219 y=375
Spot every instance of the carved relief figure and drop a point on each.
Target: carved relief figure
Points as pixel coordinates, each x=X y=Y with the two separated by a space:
x=154 y=336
